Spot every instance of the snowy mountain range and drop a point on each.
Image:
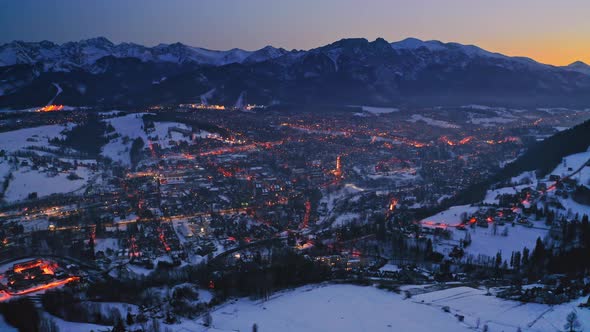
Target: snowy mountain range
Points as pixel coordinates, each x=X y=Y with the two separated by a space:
x=348 y=71
x=85 y=53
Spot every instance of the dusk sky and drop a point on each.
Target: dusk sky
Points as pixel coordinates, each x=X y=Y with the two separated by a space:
x=555 y=32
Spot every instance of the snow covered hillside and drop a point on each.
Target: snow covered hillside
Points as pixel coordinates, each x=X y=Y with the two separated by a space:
x=343 y=308
x=480 y=310
x=354 y=308
x=40 y=169
x=351 y=308
x=131 y=126
x=486 y=241
x=511 y=218
x=15 y=140
x=26 y=180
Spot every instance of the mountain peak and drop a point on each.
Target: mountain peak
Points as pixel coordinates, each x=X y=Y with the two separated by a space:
x=268 y=48
x=97 y=41
x=176 y=45
x=86 y=52
x=357 y=44
x=412 y=44
x=266 y=53
x=578 y=64
x=415 y=43
x=47 y=44
x=350 y=42
x=381 y=43
x=374 y=71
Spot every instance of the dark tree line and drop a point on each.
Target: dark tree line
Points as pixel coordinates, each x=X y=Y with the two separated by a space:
x=568 y=255
x=87 y=137
x=287 y=270
x=64 y=304
x=135 y=153
x=22 y=314
x=582 y=195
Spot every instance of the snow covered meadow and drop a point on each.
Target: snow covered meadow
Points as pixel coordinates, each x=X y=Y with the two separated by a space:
x=333 y=308
x=130 y=127
x=350 y=308
x=20 y=177
x=485 y=241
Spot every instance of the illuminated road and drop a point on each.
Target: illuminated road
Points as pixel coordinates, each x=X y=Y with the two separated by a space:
x=6 y=295
x=163 y=219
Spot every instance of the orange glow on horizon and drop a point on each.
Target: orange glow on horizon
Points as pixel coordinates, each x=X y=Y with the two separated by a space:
x=551 y=50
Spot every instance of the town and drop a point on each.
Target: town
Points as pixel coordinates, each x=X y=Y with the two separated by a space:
x=213 y=194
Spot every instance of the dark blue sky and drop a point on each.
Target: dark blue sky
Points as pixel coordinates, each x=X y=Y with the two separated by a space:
x=551 y=31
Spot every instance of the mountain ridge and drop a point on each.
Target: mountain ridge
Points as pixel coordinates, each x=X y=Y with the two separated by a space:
x=88 y=51
x=578 y=66
x=347 y=71
x=404 y=44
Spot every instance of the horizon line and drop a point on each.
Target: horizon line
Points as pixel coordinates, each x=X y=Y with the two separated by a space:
x=292 y=49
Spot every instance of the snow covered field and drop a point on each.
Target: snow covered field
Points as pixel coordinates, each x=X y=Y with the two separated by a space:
x=432 y=122
x=572 y=163
x=484 y=241
x=5 y=327
x=65 y=326
x=348 y=308
x=130 y=127
x=15 y=140
x=103 y=244
x=452 y=216
x=502 y=315
x=331 y=199
x=487 y=244
x=345 y=219
x=379 y=110
x=25 y=181
x=343 y=308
